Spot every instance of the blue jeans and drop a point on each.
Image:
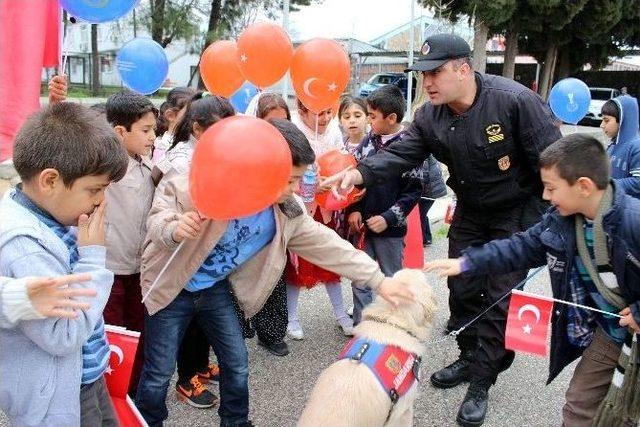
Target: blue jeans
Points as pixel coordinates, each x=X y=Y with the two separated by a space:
x=214 y=311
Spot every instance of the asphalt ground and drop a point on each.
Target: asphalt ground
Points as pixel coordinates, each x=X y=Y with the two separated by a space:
x=279 y=386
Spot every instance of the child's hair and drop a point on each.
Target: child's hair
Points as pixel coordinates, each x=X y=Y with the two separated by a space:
x=575 y=156
x=127 y=107
x=301 y=152
x=177 y=98
x=348 y=101
x=205 y=110
x=388 y=99
x=610 y=108
x=270 y=101
x=72 y=139
x=300 y=106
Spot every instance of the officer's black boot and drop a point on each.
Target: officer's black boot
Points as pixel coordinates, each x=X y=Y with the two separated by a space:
x=453 y=374
x=474 y=406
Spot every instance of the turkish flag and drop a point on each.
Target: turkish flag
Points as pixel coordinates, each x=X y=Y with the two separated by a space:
x=413 y=250
x=123 y=344
x=528 y=323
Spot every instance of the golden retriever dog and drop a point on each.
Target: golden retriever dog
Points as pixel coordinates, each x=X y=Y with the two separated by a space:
x=347 y=393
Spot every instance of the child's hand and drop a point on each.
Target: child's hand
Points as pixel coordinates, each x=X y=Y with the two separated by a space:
x=444 y=267
x=58 y=89
x=322 y=186
x=51 y=297
x=91 y=228
x=394 y=292
x=628 y=320
x=377 y=224
x=355 y=222
x=188 y=227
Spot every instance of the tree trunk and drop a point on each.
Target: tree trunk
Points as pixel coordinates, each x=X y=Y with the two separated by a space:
x=480 y=34
x=135 y=23
x=157 y=20
x=95 y=61
x=564 y=64
x=547 y=70
x=510 y=53
x=214 y=20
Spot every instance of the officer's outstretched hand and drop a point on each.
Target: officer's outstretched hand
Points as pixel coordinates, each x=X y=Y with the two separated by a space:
x=444 y=267
x=342 y=182
x=395 y=292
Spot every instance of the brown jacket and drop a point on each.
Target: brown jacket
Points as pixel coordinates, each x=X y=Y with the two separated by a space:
x=254 y=280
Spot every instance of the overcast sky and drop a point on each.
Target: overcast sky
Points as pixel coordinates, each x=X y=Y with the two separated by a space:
x=361 y=19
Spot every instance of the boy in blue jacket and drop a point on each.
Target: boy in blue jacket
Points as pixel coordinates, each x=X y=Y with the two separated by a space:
x=590 y=241
x=382 y=212
x=620 y=124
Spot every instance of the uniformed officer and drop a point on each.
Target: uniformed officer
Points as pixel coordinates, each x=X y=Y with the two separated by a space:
x=489 y=131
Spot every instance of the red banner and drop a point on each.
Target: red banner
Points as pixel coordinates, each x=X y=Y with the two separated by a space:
x=528 y=323
x=30 y=40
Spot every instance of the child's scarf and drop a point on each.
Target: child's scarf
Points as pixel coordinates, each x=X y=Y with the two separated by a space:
x=621 y=405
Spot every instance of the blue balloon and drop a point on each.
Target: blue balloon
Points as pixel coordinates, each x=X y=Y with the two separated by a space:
x=142 y=64
x=241 y=98
x=569 y=100
x=97 y=11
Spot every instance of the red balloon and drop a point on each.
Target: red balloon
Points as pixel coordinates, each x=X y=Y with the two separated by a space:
x=330 y=163
x=219 y=68
x=264 y=54
x=320 y=72
x=240 y=166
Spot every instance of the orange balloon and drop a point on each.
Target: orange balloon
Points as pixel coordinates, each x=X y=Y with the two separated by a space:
x=264 y=53
x=330 y=163
x=320 y=72
x=240 y=166
x=219 y=68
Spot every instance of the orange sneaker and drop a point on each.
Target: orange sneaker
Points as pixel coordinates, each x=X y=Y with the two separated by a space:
x=195 y=394
x=211 y=374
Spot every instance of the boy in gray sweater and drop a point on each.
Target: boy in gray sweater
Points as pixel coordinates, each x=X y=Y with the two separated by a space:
x=66 y=156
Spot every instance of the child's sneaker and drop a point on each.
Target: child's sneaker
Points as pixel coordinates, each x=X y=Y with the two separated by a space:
x=294 y=330
x=347 y=325
x=195 y=394
x=211 y=374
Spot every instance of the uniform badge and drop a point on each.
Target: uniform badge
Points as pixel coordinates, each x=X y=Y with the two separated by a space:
x=393 y=364
x=504 y=163
x=494 y=133
x=425 y=48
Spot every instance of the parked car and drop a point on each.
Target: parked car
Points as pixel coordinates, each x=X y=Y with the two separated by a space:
x=379 y=80
x=599 y=95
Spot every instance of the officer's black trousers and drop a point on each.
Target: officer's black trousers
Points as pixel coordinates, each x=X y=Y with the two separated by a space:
x=469 y=296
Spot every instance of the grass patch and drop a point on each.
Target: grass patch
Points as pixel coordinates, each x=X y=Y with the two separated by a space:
x=81 y=91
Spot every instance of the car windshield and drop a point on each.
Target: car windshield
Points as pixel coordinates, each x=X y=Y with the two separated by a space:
x=600 y=95
x=382 y=79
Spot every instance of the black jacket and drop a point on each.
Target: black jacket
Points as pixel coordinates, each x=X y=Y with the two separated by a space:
x=491 y=150
x=394 y=198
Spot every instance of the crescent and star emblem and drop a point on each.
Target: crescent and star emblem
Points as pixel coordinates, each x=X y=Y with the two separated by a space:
x=118 y=352
x=532 y=308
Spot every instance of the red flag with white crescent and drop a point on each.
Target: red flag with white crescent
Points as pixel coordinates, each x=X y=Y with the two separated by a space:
x=123 y=344
x=528 y=323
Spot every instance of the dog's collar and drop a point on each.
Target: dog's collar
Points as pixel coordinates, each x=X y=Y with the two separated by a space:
x=386 y=322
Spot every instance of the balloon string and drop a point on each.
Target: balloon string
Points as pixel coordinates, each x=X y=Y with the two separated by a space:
x=155 y=282
x=65 y=50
